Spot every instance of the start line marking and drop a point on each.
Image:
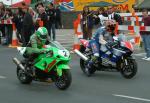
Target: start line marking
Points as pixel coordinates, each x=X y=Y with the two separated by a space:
x=135 y=98
x=2 y=77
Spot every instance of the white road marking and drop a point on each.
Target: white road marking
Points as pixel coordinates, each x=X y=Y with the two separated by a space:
x=139 y=54
x=135 y=98
x=2 y=77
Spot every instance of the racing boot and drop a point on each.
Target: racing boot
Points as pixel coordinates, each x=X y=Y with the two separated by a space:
x=90 y=64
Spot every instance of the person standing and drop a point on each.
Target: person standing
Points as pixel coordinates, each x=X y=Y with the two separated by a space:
x=58 y=18
x=27 y=25
x=87 y=23
x=2 y=15
x=103 y=16
x=18 y=20
x=52 y=21
x=8 y=16
x=42 y=15
x=146 y=34
x=113 y=16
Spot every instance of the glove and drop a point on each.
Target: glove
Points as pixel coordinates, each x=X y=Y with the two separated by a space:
x=45 y=51
x=114 y=44
x=108 y=45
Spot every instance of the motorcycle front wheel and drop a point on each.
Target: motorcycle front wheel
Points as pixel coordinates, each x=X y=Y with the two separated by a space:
x=64 y=81
x=130 y=70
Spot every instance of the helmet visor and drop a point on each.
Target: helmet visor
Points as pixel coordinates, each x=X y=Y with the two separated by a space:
x=43 y=37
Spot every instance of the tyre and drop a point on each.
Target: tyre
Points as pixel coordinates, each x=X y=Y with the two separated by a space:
x=83 y=64
x=83 y=68
x=130 y=70
x=23 y=77
x=64 y=81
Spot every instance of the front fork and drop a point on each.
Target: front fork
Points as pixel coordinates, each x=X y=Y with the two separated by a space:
x=125 y=61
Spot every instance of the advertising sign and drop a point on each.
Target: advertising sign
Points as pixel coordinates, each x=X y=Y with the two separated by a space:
x=123 y=5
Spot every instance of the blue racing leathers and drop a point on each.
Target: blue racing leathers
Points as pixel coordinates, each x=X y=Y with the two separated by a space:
x=94 y=44
x=101 y=36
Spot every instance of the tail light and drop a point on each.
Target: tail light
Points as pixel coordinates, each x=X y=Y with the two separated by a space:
x=84 y=42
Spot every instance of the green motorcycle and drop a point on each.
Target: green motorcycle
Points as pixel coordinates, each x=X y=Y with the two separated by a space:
x=51 y=66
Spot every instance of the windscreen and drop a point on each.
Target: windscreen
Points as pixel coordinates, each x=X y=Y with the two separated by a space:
x=57 y=45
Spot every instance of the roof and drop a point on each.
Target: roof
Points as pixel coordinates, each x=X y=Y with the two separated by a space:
x=19 y=4
x=101 y=4
x=144 y=5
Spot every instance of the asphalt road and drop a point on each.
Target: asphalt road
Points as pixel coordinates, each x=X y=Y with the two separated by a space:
x=102 y=87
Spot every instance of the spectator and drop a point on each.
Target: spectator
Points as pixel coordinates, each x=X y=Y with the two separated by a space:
x=33 y=14
x=103 y=16
x=8 y=16
x=27 y=25
x=113 y=16
x=42 y=15
x=96 y=18
x=2 y=14
x=87 y=23
x=146 y=34
x=18 y=20
x=58 y=18
x=52 y=21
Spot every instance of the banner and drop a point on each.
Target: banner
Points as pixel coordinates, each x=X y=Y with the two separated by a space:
x=123 y=5
x=65 y=5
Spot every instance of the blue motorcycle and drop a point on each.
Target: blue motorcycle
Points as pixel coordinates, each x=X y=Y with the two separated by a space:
x=117 y=57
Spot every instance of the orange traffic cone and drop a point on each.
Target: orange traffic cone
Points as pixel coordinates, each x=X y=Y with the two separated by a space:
x=79 y=31
x=14 y=37
x=137 y=40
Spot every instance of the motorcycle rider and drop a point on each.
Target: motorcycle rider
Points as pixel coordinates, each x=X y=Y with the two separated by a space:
x=103 y=36
x=36 y=46
x=37 y=41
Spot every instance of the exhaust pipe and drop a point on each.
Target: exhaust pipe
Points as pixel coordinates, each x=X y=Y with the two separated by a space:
x=18 y=63
x=80 y=54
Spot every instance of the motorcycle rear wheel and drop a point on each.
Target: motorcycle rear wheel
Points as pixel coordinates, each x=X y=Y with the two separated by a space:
x=23 y=77
x=83 y=68
x=64 y=81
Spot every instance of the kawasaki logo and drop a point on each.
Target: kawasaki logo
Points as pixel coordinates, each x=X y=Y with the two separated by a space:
x=120 y=1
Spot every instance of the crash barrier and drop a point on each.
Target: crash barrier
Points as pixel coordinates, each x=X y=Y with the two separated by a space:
x=6 y=22
x=135 y=21
x=130 y=14
x=131 y=19
x=137 y=37
x=14 y=43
